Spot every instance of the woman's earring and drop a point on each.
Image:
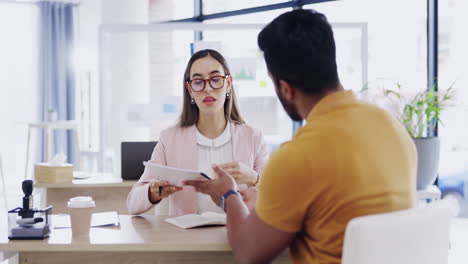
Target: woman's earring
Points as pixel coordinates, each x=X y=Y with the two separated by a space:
x=192 y=101
x=228 y=95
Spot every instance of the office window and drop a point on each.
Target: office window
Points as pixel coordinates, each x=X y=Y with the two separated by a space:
x=183 y=9
x=218 y=6
x=350 y=40
x=163 y=10
x=254 y=18
x=396 y=38
x=453 y=131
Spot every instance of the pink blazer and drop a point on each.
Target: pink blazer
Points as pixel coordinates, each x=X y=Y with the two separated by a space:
x=177 y=147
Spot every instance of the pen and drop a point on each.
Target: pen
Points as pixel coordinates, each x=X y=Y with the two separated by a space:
x=204 y=175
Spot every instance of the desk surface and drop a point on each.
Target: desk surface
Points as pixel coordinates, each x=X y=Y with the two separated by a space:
x=152 y=234
x=109 y=192
x=96 y=180
x=135 y=234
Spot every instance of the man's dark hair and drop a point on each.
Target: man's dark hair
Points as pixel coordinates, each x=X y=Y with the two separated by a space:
x=299 y=48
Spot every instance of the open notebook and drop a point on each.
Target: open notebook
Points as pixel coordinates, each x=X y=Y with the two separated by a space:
x=197 y=220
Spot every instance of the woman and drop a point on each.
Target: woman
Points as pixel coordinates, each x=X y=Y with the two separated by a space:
x=210 y=131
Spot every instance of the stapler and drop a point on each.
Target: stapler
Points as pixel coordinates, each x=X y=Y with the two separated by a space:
x=26 y=222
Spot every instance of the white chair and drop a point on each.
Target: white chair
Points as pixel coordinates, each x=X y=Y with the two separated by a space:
x=414 y=236
x=430 y=194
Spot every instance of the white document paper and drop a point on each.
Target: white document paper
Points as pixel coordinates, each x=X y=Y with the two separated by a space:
x=196 y=220
x=173 y=175
x=97 y=220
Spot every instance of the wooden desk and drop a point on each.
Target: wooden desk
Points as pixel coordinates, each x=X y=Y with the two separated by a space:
x=109 y=192
x=139 y=239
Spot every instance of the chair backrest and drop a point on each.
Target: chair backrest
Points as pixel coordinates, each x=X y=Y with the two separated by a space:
x=417 y=235
x=132 y=155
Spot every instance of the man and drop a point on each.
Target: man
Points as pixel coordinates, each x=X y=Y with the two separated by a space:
x=349 y=159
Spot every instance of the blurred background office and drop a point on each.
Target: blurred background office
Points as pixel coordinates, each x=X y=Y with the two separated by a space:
x=115 y=70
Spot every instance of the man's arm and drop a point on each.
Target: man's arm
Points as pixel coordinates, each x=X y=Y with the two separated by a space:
x=253 y=240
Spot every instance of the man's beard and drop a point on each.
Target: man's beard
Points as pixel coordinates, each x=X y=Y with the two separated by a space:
x=290 y=109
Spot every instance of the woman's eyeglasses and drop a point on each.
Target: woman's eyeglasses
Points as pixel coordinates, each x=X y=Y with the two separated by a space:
x=216 y=82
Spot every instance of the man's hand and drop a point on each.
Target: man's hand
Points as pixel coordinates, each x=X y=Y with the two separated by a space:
x=240 y=172
x=161 y=189
x=252 y=240
x=217 y=187
x=250 y=197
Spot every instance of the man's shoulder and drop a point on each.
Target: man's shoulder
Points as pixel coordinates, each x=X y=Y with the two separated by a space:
x=292 y=154
x=308 y=151
x=313 y=136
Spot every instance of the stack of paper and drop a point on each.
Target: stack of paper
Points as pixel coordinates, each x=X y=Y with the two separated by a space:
x=97 y=219
x=196 y=220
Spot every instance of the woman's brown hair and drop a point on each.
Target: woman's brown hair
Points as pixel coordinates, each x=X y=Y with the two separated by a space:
x=189 y=115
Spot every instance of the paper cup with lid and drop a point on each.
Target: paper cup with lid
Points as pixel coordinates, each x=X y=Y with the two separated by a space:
x=80 y=209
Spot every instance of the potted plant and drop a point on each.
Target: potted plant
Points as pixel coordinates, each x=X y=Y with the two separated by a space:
x=420 y=114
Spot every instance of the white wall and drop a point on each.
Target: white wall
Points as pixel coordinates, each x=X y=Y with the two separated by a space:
x=18 y=89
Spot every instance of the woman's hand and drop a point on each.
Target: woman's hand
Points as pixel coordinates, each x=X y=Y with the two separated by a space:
x=161 y=189
x=241 y=173
x=216 y=187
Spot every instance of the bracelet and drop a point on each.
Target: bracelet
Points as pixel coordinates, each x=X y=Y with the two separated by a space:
x=224 y=198
x=258 y=180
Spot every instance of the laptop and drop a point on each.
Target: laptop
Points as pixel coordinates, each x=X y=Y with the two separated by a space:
x=132 y=156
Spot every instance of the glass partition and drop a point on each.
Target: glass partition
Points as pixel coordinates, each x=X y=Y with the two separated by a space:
x=142 y=78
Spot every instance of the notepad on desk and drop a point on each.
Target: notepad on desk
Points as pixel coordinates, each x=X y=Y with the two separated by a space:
x=97 y=220
x=174 y=176
x=198 y=220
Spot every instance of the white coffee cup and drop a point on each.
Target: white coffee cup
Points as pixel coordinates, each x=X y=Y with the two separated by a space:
x=80 y=209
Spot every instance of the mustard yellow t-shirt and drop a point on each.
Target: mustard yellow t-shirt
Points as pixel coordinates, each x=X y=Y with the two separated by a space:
x=350 y=159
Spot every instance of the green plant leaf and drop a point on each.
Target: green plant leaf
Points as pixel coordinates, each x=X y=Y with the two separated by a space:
x=421 y=111
x=391 y=92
